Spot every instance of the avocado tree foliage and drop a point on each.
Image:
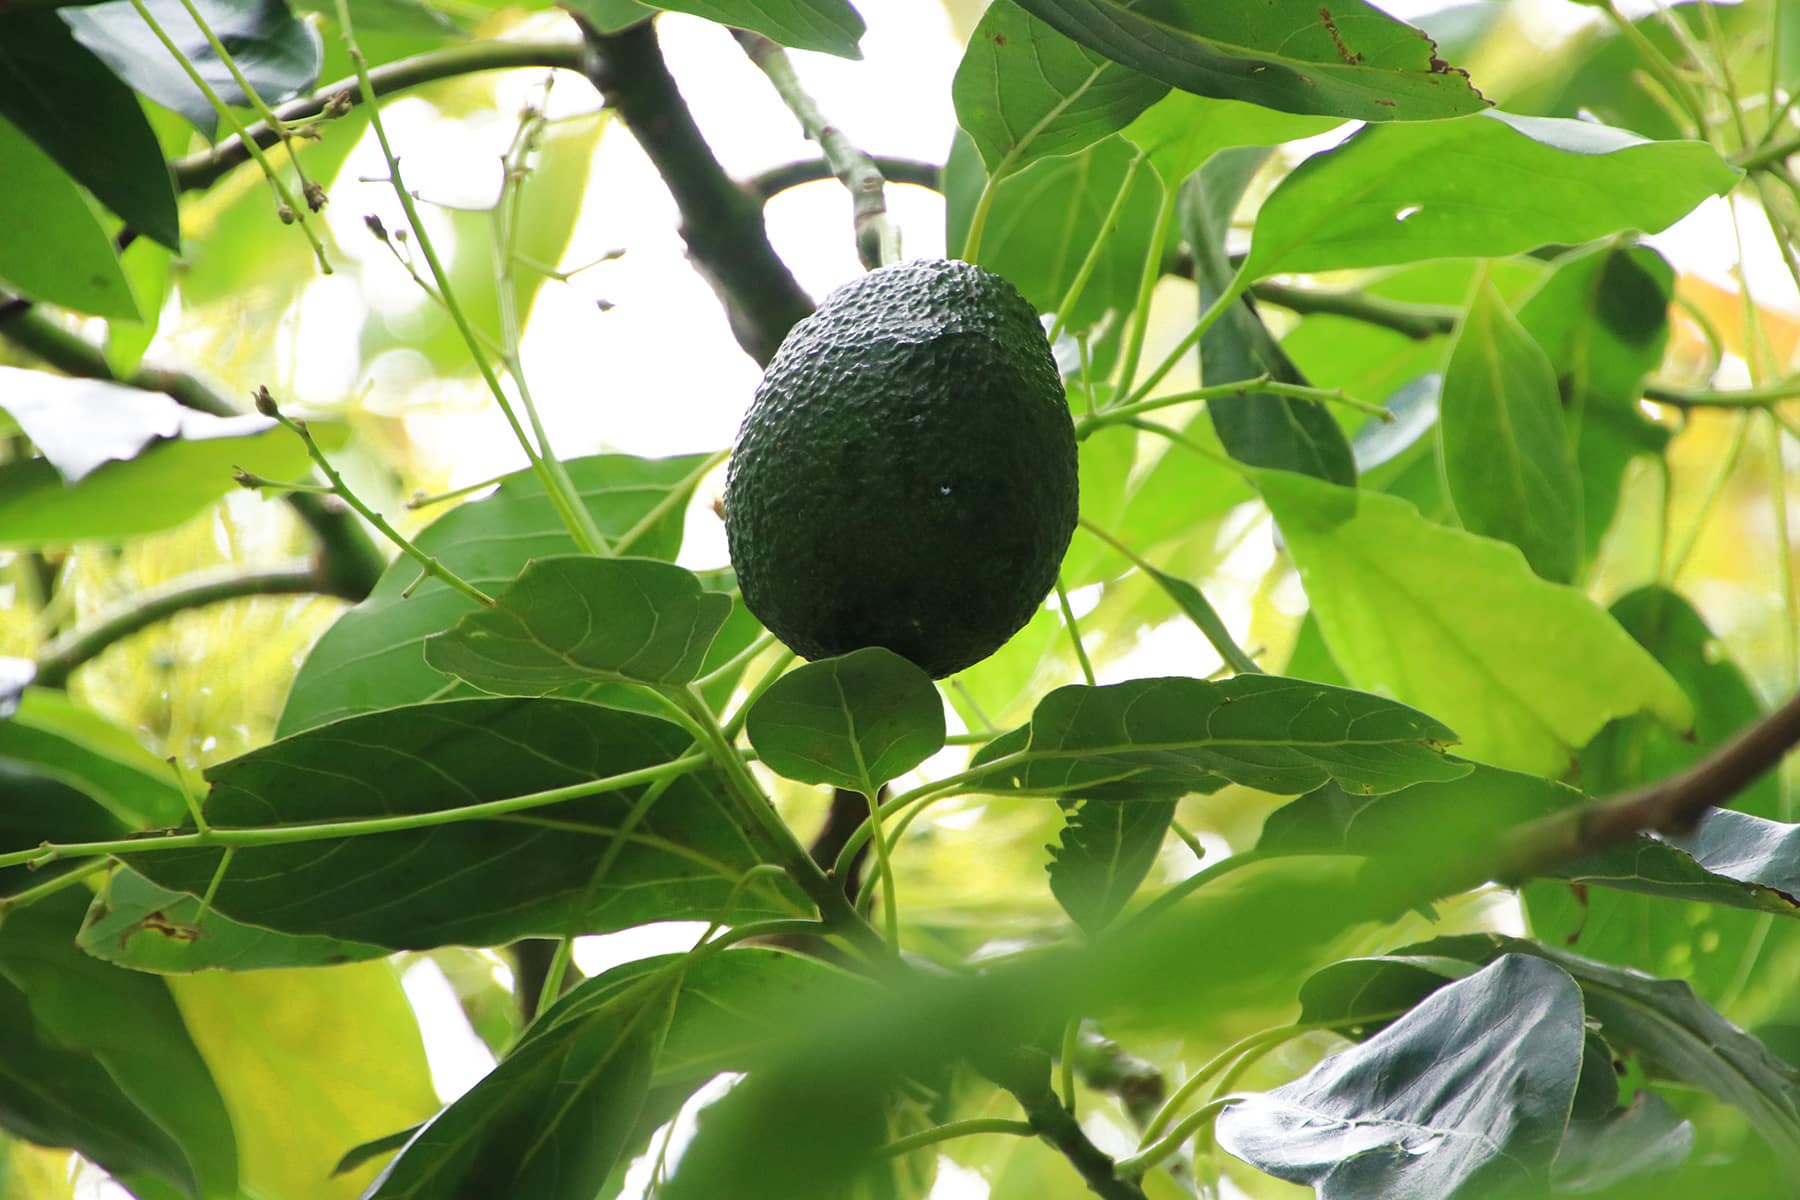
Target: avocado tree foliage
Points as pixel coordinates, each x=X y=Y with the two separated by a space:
x=1450 y=855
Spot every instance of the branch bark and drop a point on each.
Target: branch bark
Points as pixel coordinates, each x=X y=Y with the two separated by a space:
x=192 y=591
x=775 y=180
x=721 y=221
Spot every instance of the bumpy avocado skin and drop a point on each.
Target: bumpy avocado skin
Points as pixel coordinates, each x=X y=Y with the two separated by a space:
x=906 y=475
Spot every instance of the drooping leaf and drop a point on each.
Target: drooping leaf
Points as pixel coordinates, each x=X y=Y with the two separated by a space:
x=277 y=52
x=137 y=924
x=1042 y=220
x=1151 y=737
x=52 y=244
x=78 y=112
x=1106 y=848
x=474 y=882
x=341 y=1044
x=1460 y=626
x=575 y=618
x=1507 y=461
x=1677 y=1035
x=1647 y=1137
x=1470 y=1090
x=374 y=658
x=829 y=26
x=168 y=482
x=1351 y=61
x=99 y=1059
x=550 y=1121
x=1025 y=92
x=1261 y=429
x=71 y=743
x=855 y=721
x=1181 y=131
x=1492 y=185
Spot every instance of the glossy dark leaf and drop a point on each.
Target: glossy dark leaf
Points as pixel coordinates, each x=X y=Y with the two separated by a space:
x=99 y=1059
x=68 y=102
x=1508 y=466
x=374 y=658
x=277 y=52
x=53 y=245
x=1494 y=184
x=1106 y=848
x=1025 y=91
x=1352 y=60
x=1261 y=429
x=1467 y=1094
x=575 y=618
x=1176 y=735
x=830 y=26
x=474 y=882
x=1679 y=1036
x=855 y=721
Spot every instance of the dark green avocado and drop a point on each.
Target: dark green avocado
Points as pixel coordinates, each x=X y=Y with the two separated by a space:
x=905 y=476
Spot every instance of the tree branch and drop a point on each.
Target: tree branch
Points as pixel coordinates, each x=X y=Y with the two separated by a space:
x=204 y=169
x=775 y=180
x=350 y=562
x=877 y=242
x=190 y=591
x=721 y=221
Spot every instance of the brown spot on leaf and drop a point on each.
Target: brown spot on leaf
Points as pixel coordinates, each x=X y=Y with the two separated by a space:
x=1337 y=39
x=999 y=39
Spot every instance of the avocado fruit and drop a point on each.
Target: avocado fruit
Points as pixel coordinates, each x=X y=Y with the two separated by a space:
x=906 y=474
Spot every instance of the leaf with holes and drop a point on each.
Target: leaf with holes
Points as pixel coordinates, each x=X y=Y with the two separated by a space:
x=574 y=618
x=1494 y=184
x=1106 y=848
x=855 y=721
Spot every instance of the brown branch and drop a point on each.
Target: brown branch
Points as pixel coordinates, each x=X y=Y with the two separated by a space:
x=146 y=609
x=204 y=169
x=772 y=182
x=721 y=221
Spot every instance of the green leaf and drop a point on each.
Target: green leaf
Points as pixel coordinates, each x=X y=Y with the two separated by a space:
x=1260 y=429
x=1507 y=462
x=134 y=923
x=1470 y=1090
x=99 y=1059
x=548 y=1122
x=1649 y=1137
x=1491 y=185
x=52 y=244
x=374 y=657
x=1181 y=131
x=80 y=424
x=41 y=809
x=1602 y=317
x=346 y=1033
x=1106 y=848
x=169 y=482
x=829 y=26
x=277 y=52
x=1169 y=736
x=574 y=618
x=855 y=721
x=1351 y=61
x=475 y=882
x=67 y=101
x=75 y=745
x=1043 y=219
x=1460 y=626
x=1677 y=1035
x=1025 y=92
